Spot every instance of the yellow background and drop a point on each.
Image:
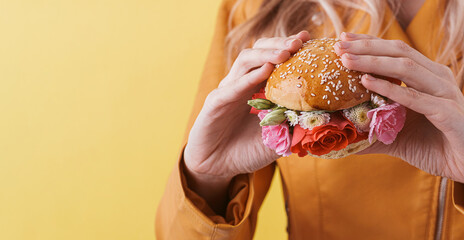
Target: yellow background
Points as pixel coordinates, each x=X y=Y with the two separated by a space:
x=94 y=99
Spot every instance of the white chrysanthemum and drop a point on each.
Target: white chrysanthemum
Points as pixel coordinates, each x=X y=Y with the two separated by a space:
x=358 y=116
x=309 y=120
x=292 y=117
x=377 y=100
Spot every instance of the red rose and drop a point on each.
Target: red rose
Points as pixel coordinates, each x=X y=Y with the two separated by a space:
x=335 y=135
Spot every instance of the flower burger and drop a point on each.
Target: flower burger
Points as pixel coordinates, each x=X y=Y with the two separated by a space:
x=313 y=105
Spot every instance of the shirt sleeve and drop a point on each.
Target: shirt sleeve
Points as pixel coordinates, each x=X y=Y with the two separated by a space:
x=182 y=214
x=458 y=196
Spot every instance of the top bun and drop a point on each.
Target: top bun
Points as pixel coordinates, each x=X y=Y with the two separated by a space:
x=315 y=79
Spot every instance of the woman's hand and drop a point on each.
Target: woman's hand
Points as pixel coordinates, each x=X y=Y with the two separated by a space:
x=433 y=136
x=225 y=139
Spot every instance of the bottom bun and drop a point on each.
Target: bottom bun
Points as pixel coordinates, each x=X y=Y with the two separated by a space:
x=350 y=149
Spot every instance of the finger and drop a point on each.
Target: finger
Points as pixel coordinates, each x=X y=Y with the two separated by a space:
x=291 y=44
x=392 y=48
x=244 y=63
x=347 y=36
x=406 y=96
x=405 y=69
x=303 y=35
x=439 y=111
x=250 y=58
x=235 y=90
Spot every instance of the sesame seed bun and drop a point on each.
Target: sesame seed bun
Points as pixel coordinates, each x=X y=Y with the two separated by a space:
x=314 y=78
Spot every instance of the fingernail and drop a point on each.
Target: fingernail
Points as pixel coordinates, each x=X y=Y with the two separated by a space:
x=349 y=35
x=289 y=42
x=351 y=56
x=343 y=44
x=343 y=35
x=369 y=77
x=277 y=52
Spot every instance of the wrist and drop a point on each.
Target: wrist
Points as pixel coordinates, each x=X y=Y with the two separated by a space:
x=207 y=178
x=204 y=173
x=212 y=188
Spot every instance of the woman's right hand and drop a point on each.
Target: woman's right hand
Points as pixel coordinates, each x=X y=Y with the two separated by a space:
x=225 y=139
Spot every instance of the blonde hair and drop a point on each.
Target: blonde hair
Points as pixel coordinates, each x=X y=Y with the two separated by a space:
x=280 y=18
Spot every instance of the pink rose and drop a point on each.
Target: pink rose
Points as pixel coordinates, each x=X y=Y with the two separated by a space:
x=276 y=137
x=386 y=121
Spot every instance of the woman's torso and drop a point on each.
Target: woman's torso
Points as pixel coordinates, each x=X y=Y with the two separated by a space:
x=370 y=196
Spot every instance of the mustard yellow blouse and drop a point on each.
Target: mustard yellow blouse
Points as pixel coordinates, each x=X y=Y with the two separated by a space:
x=358 y=197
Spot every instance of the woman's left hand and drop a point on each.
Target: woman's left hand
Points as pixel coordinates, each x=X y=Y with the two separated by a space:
x=433 y=136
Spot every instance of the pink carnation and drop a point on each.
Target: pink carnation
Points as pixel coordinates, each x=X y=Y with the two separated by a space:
x=276 y=137
x=386 y=121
